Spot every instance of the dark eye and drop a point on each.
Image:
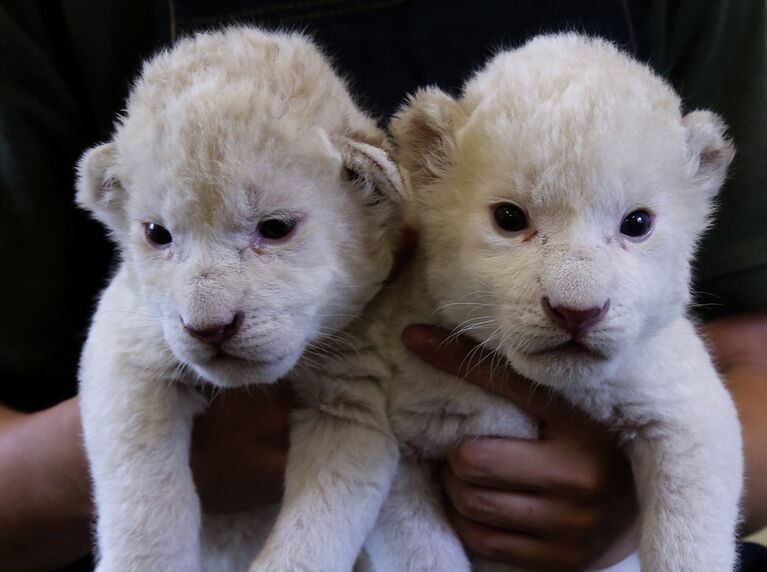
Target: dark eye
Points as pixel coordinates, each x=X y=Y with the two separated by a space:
x=276 y=228
x=637 y=224
x=510 y=217
x=157 y=235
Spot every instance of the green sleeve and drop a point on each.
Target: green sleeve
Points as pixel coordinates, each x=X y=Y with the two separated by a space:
x=65 y=66
x=715 y=53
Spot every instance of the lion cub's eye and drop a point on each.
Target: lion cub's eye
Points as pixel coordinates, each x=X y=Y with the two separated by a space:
x=637 y=224
x=157 y=235
x=276 y=228
x=510 y=217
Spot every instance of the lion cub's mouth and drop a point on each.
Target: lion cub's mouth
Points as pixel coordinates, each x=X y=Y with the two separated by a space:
x=224 y=357
x=572 y=347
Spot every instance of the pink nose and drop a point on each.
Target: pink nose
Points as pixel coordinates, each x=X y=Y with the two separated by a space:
x=574 y=321
x=216 y=334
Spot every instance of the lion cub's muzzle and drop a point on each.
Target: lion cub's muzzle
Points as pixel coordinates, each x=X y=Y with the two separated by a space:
x=575 y=321
x=215 y=334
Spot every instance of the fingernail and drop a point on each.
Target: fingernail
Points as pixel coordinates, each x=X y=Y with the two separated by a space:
x=420 y=338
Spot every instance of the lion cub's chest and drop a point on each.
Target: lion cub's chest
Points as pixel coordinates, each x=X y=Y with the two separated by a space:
x=430 y=411
x=427 y=411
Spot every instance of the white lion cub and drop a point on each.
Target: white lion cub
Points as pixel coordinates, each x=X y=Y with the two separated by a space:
x=255 y=211
x=559 y=202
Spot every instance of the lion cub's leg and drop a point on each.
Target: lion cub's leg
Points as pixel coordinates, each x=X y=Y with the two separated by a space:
x=687 y=464
x=412 y=533
x=340 y=466
x=137 y=430
x=685 y=502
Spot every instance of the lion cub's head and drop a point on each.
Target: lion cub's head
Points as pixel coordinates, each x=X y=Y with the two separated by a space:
x=560 y=200
x=253 y=203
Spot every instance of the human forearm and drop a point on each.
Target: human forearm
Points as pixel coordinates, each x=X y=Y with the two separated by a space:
x=44 y=489
x=749 y=389
x=238 y=458
x=739 y=345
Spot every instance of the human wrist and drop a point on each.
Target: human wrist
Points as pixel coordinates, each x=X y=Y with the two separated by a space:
x=57 y=461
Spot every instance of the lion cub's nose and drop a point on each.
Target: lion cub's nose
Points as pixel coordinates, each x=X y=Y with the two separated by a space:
x=216 y=334
x=574 y=321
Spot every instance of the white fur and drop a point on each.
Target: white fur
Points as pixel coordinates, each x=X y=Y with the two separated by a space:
x=225 y=130
x=578 y=135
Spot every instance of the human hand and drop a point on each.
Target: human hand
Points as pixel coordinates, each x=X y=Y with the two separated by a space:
x=240 y=446
x=563 y=502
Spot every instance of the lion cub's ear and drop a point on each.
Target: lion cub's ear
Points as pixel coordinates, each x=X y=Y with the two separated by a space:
x=709 y=149
x=424 y=131
x=374 y=172
x=98 y=189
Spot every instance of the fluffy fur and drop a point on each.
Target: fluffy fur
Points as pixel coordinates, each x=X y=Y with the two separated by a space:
x=224 y=132
x=577 y=135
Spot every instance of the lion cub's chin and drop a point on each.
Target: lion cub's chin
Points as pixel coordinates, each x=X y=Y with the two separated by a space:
x=226 y=370
x=564 y=364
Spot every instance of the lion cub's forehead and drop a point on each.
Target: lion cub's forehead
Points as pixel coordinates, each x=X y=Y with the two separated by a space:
x=227 y=123
x=226 y=182
x=270 y=73
x=569 y=123
x=559 y=68
x=571 y=161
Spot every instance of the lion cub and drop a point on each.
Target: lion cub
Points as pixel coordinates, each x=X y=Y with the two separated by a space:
x=256 y=212
x=559 y=202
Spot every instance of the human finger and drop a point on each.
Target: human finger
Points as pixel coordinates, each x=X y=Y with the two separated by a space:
x=528 y=551
x=534 y=466
x=522 y=512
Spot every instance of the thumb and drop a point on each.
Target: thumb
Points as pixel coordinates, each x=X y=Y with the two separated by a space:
x=463 y=358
